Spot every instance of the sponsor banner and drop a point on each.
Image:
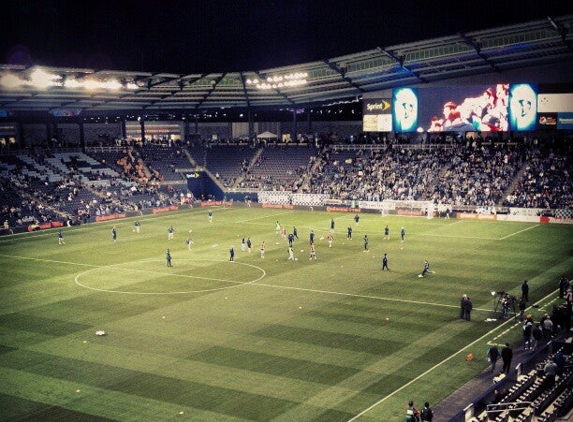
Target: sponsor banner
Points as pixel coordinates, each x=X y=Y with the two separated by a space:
x=518 y=218
x=555 y=220
x=36 y=227
x=547 y=120
x=57 y=224
x=109 y=217
x=555 y=103
x=565 y=121
x=343 y=209
x=164 y=209
x=472 y=216
x=377 y=115
x=410 y=212
x=216 y=204
x=279 y=206
x=371 y=205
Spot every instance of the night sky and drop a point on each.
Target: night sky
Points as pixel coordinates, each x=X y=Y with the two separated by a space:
x=178 y=36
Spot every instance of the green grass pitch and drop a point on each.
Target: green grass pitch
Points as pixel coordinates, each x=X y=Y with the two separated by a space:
x=332 y=339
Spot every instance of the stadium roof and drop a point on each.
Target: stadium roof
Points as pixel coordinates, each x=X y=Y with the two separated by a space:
x=321 y=82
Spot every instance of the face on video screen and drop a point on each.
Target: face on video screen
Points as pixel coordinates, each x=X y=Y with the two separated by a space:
x=522 y=107
x=405 y=110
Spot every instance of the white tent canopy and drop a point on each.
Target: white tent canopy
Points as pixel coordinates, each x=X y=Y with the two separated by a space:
x=267 y=135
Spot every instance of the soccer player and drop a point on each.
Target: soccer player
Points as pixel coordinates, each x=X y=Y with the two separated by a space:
x=403 y=234
x=295 y=232
x=311 y=237
x=277 y=228
x=290 y=239
x=366 y=241
x=332 y=224
x=243 y=245
x=114 y=234
x=136 y=226
x=249 y=244
x=263 y=247
x=210 y=216
x=426 y=269
x=60 y=238
x=357 y=219
x=349 y=233
x=170 y=233
x=168 y=258
x=290 y=254
x=330 y=239
x=385 y=263
x=189 y=242
x=312 y=252
x=232 y=254
x=386 y=233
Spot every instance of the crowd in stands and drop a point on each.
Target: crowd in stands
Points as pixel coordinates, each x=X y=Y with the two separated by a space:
x=473 y=173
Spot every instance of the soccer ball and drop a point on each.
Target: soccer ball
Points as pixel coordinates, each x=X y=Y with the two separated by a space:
x=420 y=275
x=296 y=259
x=302 y=250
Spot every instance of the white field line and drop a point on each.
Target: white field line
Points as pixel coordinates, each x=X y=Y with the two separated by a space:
x=381 y=298
x=382 y=400
x=518 y=232
x=263 y=217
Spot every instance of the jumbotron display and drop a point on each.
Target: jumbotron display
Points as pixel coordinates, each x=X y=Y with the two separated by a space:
x=497 y=107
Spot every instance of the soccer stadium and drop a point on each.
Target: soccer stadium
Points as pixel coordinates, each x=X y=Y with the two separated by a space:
x=383 y=235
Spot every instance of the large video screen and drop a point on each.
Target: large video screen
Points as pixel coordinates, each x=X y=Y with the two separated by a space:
x=481 y=108
x=522 y=107
x=405 y=109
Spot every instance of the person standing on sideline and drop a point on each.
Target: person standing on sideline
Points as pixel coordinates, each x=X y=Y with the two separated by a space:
x=232 y=254
x=506 y=357
x=426 y=414
x=493 y=356
x=366 y=241
x=403 y=234
x=349 y=233
x=468 y=306
x=412 y=414
x=60 y=238
x=527 y=331
x=463 y=306
x=525 y=291
x=114 y=234
x=385 y=263
x=332 y=224
x=168 y=258
x=563 y=286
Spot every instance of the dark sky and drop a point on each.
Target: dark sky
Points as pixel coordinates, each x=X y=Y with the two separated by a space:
x=213 y=35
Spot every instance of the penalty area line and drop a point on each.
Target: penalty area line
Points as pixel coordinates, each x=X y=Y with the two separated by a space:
x=518 y=232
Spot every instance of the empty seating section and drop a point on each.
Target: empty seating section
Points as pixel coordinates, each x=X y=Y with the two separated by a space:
x=280 y=168
x=228 y=163
x=164 y=160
